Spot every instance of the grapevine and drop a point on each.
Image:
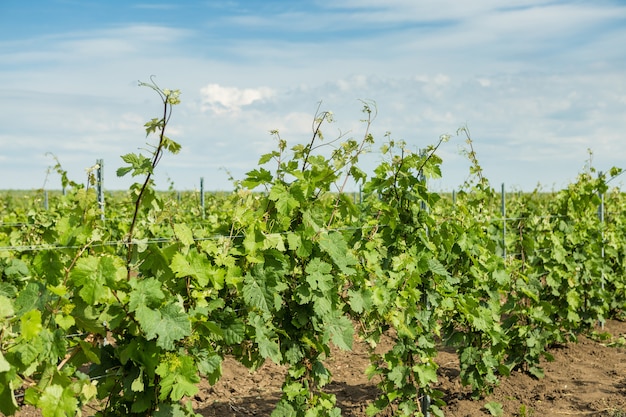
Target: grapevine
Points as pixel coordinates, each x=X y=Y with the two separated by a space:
x=126 y=314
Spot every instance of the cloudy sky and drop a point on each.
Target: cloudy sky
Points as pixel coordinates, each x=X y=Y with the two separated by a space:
x=538 y=83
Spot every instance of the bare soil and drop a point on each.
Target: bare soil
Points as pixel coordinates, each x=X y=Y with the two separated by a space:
x=587 y=378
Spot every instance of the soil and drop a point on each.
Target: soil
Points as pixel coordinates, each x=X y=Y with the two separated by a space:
x=587 y=378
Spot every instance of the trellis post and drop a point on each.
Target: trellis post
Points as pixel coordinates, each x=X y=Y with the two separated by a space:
x=100 y=186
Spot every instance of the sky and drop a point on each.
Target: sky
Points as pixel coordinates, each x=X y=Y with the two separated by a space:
x=540 y=84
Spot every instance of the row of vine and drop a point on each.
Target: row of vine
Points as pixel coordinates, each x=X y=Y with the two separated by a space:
x=288 y=265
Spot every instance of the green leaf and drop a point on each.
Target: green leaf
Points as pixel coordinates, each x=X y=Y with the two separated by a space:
x=437 y=268
x=137 y=384
x=234 y=333
x=501 y=277
x=7 y=290
x=153 y=124
x=139 y=165
x=494 y=408
x=123 y=171
x=91 y=352
x=149 y=320
x=196 y=265
x=184 y=234
x=397 y=375
x=302 y=247
x=341 y=331
x=5 y=366
x=6 y=307
x=257 y=177
x=318 y=275
x=63 y=321
x=146 y=293
x=211 y=367
x=426 y=373
x=168 y=324
x=536 y=371
x=31 y=324
x=284 y=409
x=170 y=145
x=178 y=378
x=359 y=300
x=57 y=402
x=172 y=410
x=265 y=339
x=16 y=269
x=31 y=297
x=261 y=291
x=8 y=403
x=285 y=202
x=336 y=247
x=274 y=241
x=264 y=159
x=293 y=390
x=95 y=274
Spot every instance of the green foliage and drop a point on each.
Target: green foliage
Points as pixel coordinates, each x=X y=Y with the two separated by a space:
x=296 y=265
x=130 y=313
x=494 y=408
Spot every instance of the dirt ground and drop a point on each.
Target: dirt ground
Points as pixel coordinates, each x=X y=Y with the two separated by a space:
x=585 y=379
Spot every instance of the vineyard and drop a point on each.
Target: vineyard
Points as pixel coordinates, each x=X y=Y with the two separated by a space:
x=126 y=305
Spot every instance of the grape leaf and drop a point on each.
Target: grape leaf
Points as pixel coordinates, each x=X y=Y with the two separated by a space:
x=168 y=324
x=494 y=408
x=5 y=366
x=57 y=402
x=264 y=338
x=8 y=403
x=234 y=333
x=184 y=234
x=341 y=331
x=196 y=265
x=261 y=291
x=171 y=410
x=145 y=293
x=6 y=307
x=178 y=378
x=95 y=274
x=336 y=247
x=285 y=202
x=318 y=275
x=210 y=366
x=31 y=324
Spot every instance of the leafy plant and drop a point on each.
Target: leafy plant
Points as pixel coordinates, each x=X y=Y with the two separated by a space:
x=296 y=264
x=401 y=280
x=127 y=314
x=494 y=408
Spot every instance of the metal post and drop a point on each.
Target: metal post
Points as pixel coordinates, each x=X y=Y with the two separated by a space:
x=425 y=405
x=601 y=218
x=45 y=199
x=503 y=209
x=100 y=186
x=202 y=195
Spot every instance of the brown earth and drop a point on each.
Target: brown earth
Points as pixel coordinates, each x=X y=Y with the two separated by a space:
x=587 y=378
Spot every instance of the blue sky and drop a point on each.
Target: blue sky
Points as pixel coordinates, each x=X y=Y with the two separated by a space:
x=537 y=82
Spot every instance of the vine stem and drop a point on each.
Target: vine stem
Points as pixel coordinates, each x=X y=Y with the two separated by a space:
x=366 y=139
x=155 y=160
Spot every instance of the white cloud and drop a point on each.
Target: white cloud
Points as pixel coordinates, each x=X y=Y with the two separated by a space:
x=536 y=81
x=220 y=99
